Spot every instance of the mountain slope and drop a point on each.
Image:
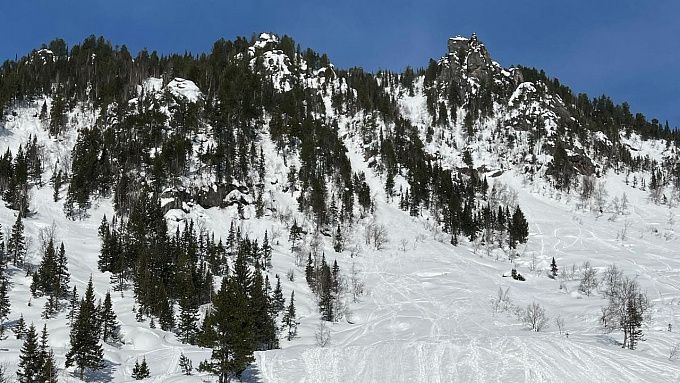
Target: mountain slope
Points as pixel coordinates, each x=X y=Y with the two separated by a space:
x=267 y=137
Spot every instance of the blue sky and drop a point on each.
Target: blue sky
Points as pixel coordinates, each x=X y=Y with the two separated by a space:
x=627 y=49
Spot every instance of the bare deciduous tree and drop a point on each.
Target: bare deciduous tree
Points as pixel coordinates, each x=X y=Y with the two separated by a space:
x=535 y=316
x=589 y=281
x=628 y=307
x=322 y=334
x=559 y=322
x=376 y=235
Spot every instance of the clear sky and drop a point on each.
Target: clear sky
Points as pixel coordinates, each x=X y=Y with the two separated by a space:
x=629 y=50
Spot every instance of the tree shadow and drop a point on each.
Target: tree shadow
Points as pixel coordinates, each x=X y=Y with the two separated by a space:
x=251 y=375
x=105 y=374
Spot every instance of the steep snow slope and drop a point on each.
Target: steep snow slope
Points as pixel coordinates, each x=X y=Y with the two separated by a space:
x=427 y=313
x=427 y=316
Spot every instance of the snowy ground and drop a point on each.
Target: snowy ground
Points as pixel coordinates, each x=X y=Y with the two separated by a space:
x=426 y=315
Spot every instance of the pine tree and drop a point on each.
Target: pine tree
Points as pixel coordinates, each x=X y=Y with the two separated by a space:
x=553 y=268
x=47 y=278
x=188 y=318
x=74 y=306
x=20 y=328
x=109 y=323
x=519 y=228
x=86 y=351
x=290 y=322
x=310 y=273
x=63 y=276
x=141 y=370
x=263 y=320
x=57 y=114
x=337 y=240
x=56 y=184
x=48 y=372
x=5 y=307
x=51 y=307
x=233 y=344
x=295 y=235
x=16 y=247
x=278 y=301
x=266 y=251
x=30 y=360
x=185 y=364
x=166 y=319
x=326 y=293
x=48 y=368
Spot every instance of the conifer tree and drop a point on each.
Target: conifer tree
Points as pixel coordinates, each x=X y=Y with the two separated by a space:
x=141 y=370
x=185 y=364
x=57 y=114
x=5 y=307
x=85 y=351
x=48 y=372
x=326 y=293
x=63 y=276
x=518 y=228
x=290 y=322
x=74 y=306
x=30 y=358
x=47 y=277
x=309 y=273
x=48 y=367
x=553 y=268
x=233 y=343
x=295 y=235
x=266 y=251
x=166 y=319
x=109 y=323
x=263 y=320
x=188 y=318
x=16 y=246
x=278 y=301
x=337 y=240
x=20 y=328
x=56 y=184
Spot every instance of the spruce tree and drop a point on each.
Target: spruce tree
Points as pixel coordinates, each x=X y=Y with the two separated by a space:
x=295 y=235
x=63 y=276
x=16 y=246
x=337 y=240
x=266 y=251
x=47 y=277
x=185 y=364
x=85 y=351
x=20 y=328
x=74 y=306
x=553 y=268
x=109 y=323
x=278 y=301
x=263 y=320
x=48 y=372
x=234 y=343
x=518 y=229
x=141 y=370
x=290 y=322
x=5 y=307
x=326 y=293
x=188 y=318
x=30 y=358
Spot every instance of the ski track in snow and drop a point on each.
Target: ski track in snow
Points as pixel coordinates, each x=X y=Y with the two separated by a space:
x=426 y=315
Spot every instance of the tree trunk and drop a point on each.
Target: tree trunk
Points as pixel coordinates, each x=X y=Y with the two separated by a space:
x=625 y=337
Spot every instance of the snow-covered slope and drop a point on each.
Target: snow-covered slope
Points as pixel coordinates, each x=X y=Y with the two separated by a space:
x=427 y=312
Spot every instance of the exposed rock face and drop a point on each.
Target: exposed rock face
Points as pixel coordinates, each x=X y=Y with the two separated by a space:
x=470 y=56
